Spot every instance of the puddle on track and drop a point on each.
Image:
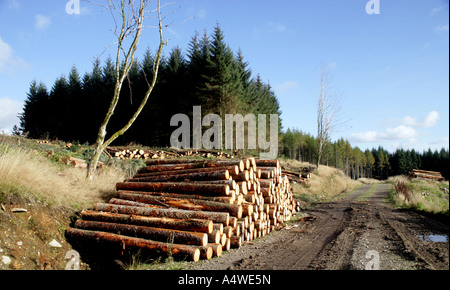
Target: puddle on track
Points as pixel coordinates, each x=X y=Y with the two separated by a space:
x=434 y=238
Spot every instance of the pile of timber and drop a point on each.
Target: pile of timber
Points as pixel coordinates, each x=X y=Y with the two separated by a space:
x=146 y=154
x=301 y=176
x=424 y=174
x=192 y=208
x=297 y=177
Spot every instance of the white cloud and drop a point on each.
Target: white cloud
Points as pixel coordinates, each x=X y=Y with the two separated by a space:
x=400 y=132
x=442 y=142
x=365 y=137
x=42 y=22
x=430 y=120
x=403 y=133
x=9 y=111
x=8 y=61
x=391 y=134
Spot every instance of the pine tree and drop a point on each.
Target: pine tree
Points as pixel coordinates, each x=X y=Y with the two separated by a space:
x=248 y=91
x=59 y=107
x=222 y=92
x=131 y=96
x=195 y=67
x=402 y=162
x=174 y=98
x=94 y=103
x=175 y=83
x=148 y=122
x=290 y=144
x=75 y=91
x=34 y=121
x=370 y=163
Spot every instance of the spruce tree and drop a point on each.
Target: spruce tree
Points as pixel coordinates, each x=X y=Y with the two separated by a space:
x=94 y=103
x=199 y=55
x=248 y=91
x=75 y=91
x=59 y=109
x=222 y=85
x=34 y=121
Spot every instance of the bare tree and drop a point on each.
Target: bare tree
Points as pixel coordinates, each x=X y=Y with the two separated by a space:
x=327 y=115
x=129 y=16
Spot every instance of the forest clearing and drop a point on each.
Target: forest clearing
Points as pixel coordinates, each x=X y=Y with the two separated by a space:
x=250 y=138
x=42 y=197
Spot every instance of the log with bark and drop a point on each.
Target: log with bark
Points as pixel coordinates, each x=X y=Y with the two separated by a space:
x=176 y=187
x=231 y=201
x=234 y=169
x=189 y=204
x=194 y=176
x=219 y=217
x=426 y=174
x=155 y=234
x=191 y=165
x=176 y=250
x=193 y=225
x=225 y=199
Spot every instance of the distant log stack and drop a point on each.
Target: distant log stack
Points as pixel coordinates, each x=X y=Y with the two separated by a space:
x=424 y=174
x=147 y=154
x=192 y=208
x=301 y=177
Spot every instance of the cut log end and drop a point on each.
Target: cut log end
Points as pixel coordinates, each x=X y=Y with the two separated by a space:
x=206 y=252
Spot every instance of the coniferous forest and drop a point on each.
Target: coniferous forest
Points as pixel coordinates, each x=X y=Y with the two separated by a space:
x=209 y=74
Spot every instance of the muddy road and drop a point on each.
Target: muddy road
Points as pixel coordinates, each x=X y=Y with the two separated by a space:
x=358 y=231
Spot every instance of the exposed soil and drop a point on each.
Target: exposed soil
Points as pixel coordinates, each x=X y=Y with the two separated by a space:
x=32 y=236
x=359 y=231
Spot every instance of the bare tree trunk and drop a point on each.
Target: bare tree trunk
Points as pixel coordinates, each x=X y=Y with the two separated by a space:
x=323 y=121
x=132 y=24
x=327 y=110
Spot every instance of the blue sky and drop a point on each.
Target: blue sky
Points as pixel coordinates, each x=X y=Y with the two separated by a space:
x=390 y=69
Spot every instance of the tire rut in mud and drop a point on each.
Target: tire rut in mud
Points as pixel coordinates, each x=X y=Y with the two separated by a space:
x=348 y=234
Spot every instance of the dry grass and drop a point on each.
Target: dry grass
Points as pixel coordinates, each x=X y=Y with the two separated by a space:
x=369 y=180
x=422 y=195
x=30 y=175
x=325 y=184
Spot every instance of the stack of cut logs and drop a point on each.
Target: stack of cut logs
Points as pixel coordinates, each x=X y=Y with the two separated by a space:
x=120 y=153
x=425 y=174
x=127 y=153
x=192 y=208
x=297 y=177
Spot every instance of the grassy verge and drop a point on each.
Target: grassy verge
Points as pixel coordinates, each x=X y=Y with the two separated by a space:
x=325 y=184
x=420 y=195
x=30 y=175
x=39 y=195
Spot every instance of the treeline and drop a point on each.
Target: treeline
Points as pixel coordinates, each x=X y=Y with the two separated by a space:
x=209 y=75
x=403 y=162
x=375 y=163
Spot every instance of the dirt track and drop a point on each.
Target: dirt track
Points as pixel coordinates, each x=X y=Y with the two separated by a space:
x=358 y=231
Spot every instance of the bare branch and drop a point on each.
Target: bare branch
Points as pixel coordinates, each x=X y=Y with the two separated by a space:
x=132 y=25
x=327 y=114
